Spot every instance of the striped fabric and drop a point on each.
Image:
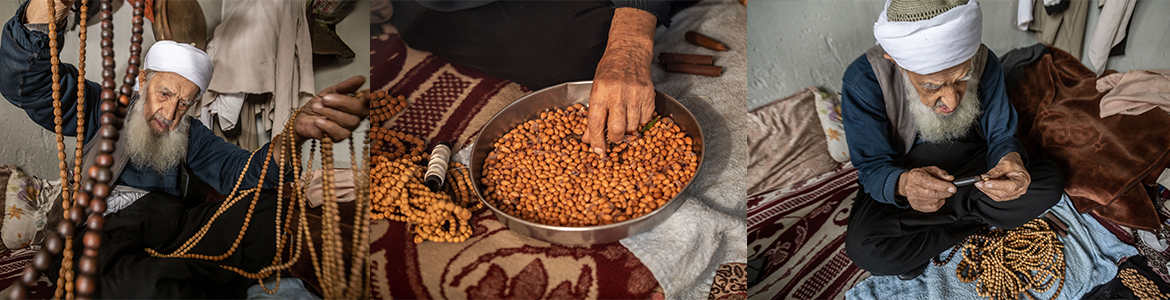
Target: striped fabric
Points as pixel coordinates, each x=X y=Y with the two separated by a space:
x=800 y=229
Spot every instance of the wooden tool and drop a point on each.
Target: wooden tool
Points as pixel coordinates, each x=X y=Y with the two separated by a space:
x=704 y=41
x=667 y=58
x=693 y=69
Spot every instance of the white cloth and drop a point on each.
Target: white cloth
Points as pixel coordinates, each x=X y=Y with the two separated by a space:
x=1109 y=32
x=1051 y=2
x=226 y=107
x=121 y=197
x=1024 y=14
x=931 y=45
x=183 y=59
x=263 y=47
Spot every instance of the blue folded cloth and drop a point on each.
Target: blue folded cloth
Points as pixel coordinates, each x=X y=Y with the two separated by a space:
x=290 y=289
x=1091 y=254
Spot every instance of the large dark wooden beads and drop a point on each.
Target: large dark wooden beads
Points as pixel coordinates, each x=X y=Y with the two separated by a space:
x=98 y=205
x=92 y=240
x=85 y=285
x=29 y=275
x=76 y=214
x=42 y=260
x=100 y=192
x=105 y=145
x=18 y=291
x=108 y=132
x=87 y=265
x=54 y=244
x=65 y=228
x=104 y=160
x=100 y=174
x=82 y=198
x=95 y=222
x=87 y=185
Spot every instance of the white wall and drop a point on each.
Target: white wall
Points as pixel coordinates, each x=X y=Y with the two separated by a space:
x=795 y=44
x=34 y=149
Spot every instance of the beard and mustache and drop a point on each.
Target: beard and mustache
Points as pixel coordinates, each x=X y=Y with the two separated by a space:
x=934 y=127
x=161 y=152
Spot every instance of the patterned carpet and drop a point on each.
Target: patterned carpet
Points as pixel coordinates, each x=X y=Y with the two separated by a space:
x=450 y=103
x=801 y=231
x=12 y=264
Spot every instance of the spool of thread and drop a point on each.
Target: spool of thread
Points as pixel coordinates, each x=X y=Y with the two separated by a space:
x=437 y=167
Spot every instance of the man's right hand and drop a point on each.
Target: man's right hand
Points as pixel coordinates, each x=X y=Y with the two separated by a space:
x=926 y=188
x=37 y=11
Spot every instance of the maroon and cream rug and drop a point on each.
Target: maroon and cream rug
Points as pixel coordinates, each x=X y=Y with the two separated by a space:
x=449 y=102
x=801 y=231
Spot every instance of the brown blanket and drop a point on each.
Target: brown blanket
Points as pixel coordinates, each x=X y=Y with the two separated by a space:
x=1103 y=159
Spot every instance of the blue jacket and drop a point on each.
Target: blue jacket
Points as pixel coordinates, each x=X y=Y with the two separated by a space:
x=27 y=83
x=868 y=133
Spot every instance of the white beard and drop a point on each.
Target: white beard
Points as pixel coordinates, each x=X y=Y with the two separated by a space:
x=159 y=152
x=934 y=127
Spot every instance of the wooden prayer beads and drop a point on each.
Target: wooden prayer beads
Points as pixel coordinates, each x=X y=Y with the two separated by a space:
x=1143 y=288
x=385 y=106
x=91 y=192
x=541 y=171
x=393 y=144
x=401 y=196
x=1007 y=263
x=397 y=181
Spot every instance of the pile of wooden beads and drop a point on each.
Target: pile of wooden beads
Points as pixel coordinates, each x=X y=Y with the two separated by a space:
x=386 y=142
x=385 y=106
x=397 y=178
x=399 y=195
x=1142 y=287
x=1008 y=262
x=394 y=144
x=541 y=171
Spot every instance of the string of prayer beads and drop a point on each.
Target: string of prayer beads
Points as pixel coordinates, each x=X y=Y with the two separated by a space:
x=1007 y=263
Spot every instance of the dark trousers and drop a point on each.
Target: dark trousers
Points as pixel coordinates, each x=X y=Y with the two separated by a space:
x=534 y=43
x=886 y=240
x=161 y=222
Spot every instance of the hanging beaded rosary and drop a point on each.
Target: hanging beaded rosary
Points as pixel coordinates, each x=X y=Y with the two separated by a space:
x=1007 y=262
x=89 y=196
x=397 y=181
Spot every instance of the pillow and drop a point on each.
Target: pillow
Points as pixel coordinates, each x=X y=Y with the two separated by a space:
x=829 y=110
x=26 y=203
x=786 y=143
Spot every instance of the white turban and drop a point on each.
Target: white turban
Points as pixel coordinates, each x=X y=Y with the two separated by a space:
x=934 y=44
x=182 y=59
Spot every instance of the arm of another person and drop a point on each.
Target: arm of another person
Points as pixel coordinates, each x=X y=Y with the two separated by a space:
x=863 y=111
x=25 y=65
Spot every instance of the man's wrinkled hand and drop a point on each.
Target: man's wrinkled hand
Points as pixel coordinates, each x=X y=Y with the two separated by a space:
x=926 y=188
x=1008 y=180
x=622 y=97
x=333 y=112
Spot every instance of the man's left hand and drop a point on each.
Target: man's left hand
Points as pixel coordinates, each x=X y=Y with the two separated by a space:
x=333 y=112
x=1008 y=180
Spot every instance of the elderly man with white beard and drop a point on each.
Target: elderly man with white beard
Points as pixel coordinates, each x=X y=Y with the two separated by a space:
x=161 y=153
x=925 y=106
